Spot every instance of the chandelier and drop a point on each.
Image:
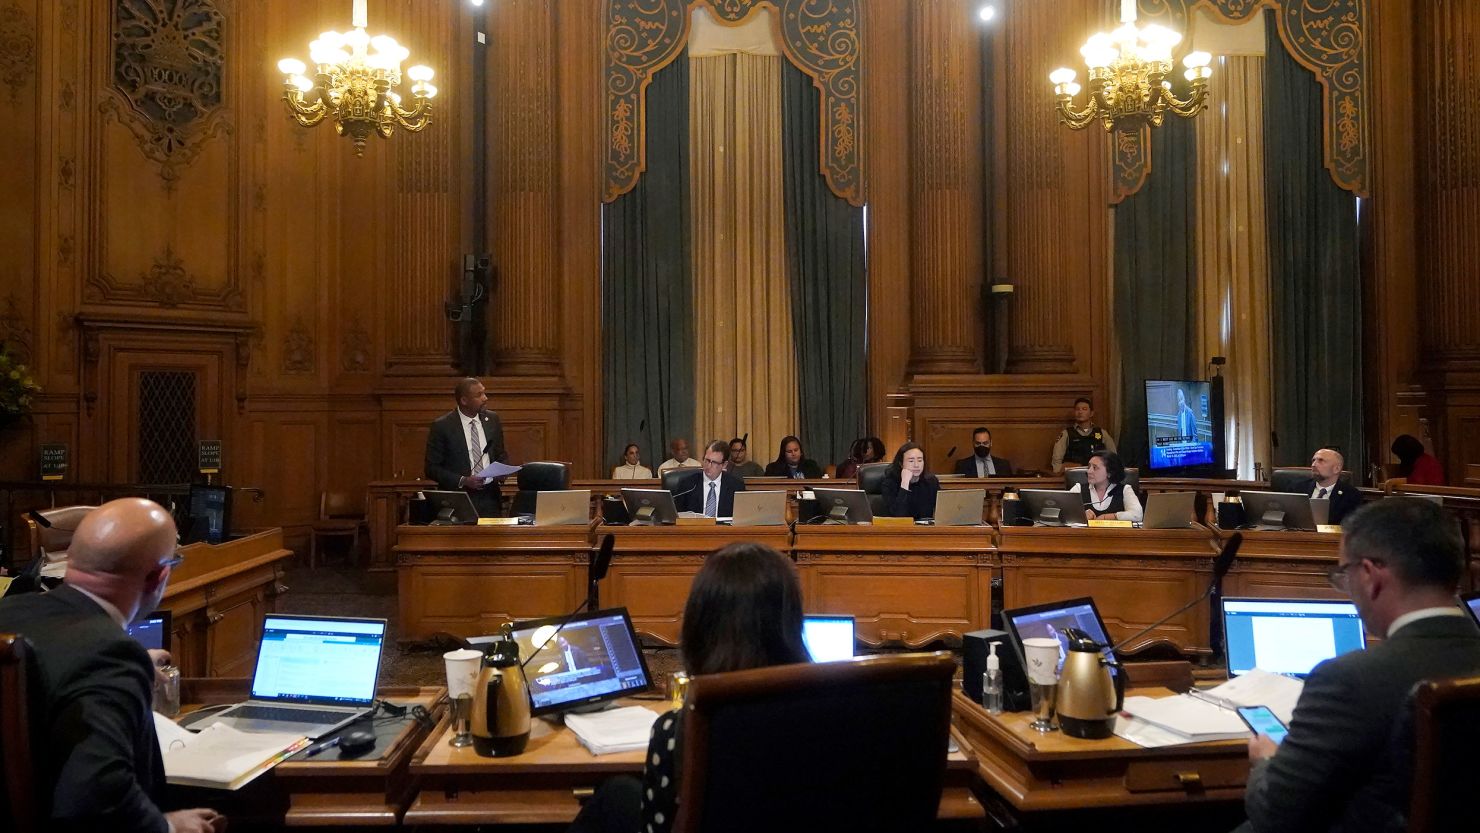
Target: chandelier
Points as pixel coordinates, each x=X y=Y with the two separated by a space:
x=355 y=86
x=1127 y=77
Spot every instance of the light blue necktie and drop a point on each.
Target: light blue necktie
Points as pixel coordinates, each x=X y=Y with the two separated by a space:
x=475 y=453
x=711 y=503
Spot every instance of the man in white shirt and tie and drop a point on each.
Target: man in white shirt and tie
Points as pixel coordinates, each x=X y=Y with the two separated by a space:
x=462 y=443
x=679 y=447
x=712 y=490
x=1325 y=484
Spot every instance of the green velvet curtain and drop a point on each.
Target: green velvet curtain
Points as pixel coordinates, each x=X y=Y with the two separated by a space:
x=825 y=251
x=1315 y=282
x=1156 y=280
x=647 y=287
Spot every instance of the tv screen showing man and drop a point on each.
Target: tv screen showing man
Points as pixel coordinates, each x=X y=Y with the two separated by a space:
x=1179 y=424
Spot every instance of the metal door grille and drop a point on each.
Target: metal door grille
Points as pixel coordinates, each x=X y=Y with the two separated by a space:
x=166 y=426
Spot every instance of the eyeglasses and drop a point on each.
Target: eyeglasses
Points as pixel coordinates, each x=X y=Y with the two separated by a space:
x=709 y=462
x=1338 y=576
x=174 y=560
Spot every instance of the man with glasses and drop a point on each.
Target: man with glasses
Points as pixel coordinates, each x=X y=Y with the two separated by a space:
x=711 y=490
x=94 y=751
x=982 y=463
x=1343 y=767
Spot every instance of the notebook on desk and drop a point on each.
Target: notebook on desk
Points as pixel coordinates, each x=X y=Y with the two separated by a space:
x=314 y=675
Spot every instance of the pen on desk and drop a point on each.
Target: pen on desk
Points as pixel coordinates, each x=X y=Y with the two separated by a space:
x=328 y=744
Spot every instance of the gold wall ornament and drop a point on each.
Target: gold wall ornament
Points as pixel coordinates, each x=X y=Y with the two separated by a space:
x=353 y=83
x=167 y=77
x=819 y=37
x=17 y=49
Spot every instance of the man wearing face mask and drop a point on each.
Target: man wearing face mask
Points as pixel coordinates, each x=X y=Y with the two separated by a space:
x=95 y=754
x=982 y=463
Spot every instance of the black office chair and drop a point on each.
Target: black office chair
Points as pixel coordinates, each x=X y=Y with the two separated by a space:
x=673 y=478
x=871 y=481
x=1288 y=479
x=18 y=789
x=538 y=477
x=1445 y=731
x=864 y=743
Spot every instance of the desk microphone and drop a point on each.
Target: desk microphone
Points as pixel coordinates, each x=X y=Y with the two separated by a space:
x=595 y=572
x=1221 y=565
x=951 y=452
x=39 y=518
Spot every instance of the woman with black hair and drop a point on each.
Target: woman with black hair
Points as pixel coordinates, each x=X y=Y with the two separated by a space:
x=864 y=450
x=1109 y=497
x=744 y=611
x=1416 y=465
x=909 y=488
x=791 y=462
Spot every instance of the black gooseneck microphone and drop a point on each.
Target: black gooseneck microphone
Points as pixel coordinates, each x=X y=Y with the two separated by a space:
x=40 y=519
x=1221 y=565
x=952 y=452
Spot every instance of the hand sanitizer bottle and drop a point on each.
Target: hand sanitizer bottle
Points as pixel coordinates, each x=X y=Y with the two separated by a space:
x=992 y=682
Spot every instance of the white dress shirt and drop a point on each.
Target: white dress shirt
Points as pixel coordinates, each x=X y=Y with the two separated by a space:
x=1424 y=613
x=634 y=471
x=704 y=494
x=1330 y=490
x=671 y=463
x=1132 y=512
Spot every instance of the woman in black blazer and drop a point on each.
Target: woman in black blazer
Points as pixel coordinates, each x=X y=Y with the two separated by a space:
x=791 y=462
x=909 y=488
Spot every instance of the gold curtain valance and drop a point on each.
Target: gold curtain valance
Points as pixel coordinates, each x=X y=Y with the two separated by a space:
x=1327 y=37
x=820 y=37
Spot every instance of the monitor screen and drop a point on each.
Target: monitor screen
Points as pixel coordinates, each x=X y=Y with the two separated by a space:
x=152 y=631
x=594 y=657
x=1051 y=619
x=1471 y=602
x=210 y=513
x=1288 y=636
x=1179 y=423
x=304 y=659
x=828 y=638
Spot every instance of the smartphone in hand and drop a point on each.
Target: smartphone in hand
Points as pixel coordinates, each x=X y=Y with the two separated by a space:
x=1263 y=722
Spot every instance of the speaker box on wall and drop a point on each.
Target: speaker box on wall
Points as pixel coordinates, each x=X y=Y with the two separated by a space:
x=974 y=651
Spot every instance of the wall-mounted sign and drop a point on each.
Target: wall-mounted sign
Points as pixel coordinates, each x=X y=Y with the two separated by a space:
x=209 y=457
x=53 y=461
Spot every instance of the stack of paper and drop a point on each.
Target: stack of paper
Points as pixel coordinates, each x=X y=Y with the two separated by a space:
x=1197 y=720
x=220 y=756
x=1207 y=715
x=618 y=730
x=1260 y=688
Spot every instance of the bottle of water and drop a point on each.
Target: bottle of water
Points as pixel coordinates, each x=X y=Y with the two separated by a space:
x=992 y=683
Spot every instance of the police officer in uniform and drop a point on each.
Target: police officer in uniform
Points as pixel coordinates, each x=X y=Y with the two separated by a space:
x=1081 y=439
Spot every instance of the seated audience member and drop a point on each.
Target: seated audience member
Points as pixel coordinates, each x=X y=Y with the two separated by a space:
x=1416 y=465
x=631 y=467
x=1325 y=482
x=740 y=463
x=744 y=611
x=909 y=489
x=711 y=490
x=1109 y=498
x=679 y=447
x=1343 y=767
x=95 y=754
x=1081 y=439
x=790 y=462
x=864 y=450
x=982 y=463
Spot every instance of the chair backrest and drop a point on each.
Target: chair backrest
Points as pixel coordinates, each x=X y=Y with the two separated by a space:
x=1446 y=733
x=673 y=477
x=537 y=477
x=18 y=804
x=57 y=537
x=856 y=745
x=1287 y=478
x=341 y=505
x=871 y=481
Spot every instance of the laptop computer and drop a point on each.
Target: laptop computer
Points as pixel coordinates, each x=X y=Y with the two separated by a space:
x=314 y=675
x=759 y=509
x=1471 y=603
x=1050 y=619
x=576 y=662
x=562 y=508
x=1288 y=636
x=153 y=631
x=959 y=507
x=1169 y=510
x=828 y=638
x=849 y=506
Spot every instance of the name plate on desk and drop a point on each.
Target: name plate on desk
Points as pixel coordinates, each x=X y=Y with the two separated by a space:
x=1336 y=528
x=498 y=521
x=682 y=521
x=1107 y=523
x=880 y=520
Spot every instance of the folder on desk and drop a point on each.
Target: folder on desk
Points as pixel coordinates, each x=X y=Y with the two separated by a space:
x=1197 y=720
x=219 y=756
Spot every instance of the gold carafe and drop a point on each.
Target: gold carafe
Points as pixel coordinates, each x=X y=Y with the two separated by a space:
x=500 y=702
x=1090 y=696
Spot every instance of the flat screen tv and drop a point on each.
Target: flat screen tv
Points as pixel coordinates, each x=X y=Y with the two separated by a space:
x=1180 y=423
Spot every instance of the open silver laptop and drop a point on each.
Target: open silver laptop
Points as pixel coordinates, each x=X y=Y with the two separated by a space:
x=759 y=509
x=559 y=508
x=1169 y=510
x=959 y=507
x=314 y=675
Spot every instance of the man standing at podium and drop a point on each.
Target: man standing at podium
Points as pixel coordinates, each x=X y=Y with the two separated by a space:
x=462 y=443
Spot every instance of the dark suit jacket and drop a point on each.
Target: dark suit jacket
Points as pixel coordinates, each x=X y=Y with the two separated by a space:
x=693 y=501
x=967 y=466
x=809 y=469
x=1344 y=498
x=448 y=458
x=97 y=760
x=916 y=502
x=1343 y=768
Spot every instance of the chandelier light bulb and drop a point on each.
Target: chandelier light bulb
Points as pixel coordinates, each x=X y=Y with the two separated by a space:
x=986 y=13
x=383 y=43
x=304 y=84
x=420 y=72
x=330 y=39
x=293 y=66
x=1062 y=75
x=477 y=2
x=1197 y=59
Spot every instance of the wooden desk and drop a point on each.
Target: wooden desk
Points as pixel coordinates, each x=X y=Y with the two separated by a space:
x=1036 y=771
x=546 y=784
x=218 y=597
x=385 y=510
x=470 y=580
x=1283 y=565
x=1136 y=576
x=904 y=585
x=653 y=566
x=372 y=790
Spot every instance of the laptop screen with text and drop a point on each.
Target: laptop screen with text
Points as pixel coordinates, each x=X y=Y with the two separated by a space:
x=322 y=660
x=1288 y=636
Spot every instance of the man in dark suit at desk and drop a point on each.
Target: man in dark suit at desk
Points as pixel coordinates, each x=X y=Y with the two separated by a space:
x=1325 y=483
x=981 y=463
x=1342 y=767
x=449 y=460
x=711 y=490
x=94 y=749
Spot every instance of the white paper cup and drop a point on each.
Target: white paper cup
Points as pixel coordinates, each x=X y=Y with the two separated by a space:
x=462 y=671
x=1042 y=656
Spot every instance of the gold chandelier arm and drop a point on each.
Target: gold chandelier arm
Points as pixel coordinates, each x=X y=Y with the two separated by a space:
x=1077 y=119
x=1195 y=102
x=417 y=117
x=308 y=115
